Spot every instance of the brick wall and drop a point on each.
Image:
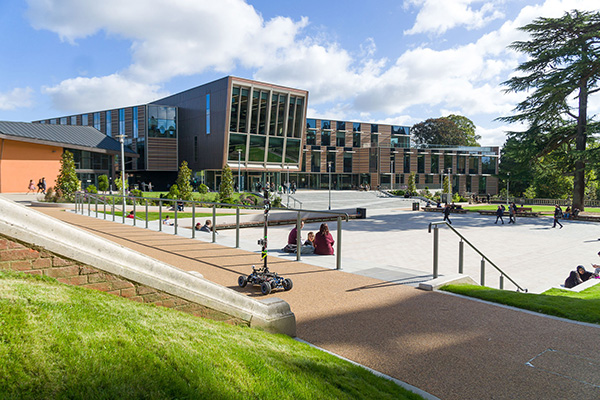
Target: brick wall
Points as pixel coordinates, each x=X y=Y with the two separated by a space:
x=28 y=259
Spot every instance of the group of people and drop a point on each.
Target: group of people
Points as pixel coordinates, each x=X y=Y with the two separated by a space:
x=41 y=186
x=512 y=213
x=580 y=275
x=207 y=227
x=320 y=243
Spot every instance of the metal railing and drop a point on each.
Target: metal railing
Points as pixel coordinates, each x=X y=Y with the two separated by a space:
x=289 y=196
x=88 y=199
x=463 y=240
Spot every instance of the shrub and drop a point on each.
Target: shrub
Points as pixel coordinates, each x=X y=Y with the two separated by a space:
x=103 y=183
x=173 y=192
x=91 y=189
x=202 y=189
x=183 y=181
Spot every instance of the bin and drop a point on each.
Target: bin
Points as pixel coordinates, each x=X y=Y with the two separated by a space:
x=362 y=213
x=415 y=206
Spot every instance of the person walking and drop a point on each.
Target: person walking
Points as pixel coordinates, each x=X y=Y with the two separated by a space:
x=447 y=214
x=557 y=215
x=31 y=187
x=512 y=213
x=499 y=214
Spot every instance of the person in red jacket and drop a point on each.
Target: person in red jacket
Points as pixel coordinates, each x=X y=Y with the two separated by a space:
x=324 y=241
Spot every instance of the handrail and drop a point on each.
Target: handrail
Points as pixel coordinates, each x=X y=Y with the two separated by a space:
x=80 y=196
x=289 y=196
x=473 y=247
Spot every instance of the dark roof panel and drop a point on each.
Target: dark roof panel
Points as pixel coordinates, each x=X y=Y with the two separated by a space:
x=63 y=135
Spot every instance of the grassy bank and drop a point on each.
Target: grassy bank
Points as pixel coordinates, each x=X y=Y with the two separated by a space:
x=583 y=306
x=59 y=341
x=153 y=216
x=545 y=209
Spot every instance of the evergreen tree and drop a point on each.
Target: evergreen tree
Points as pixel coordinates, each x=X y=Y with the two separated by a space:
x=103 y=183
x=119 y=182
x=183 y=181
x=563 y=64
x=226 y=188
x=412 y=186
x=67 y=182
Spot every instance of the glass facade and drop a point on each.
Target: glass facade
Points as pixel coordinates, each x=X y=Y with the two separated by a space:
x=447 y=162
x=292 y=151
x=347 y=162
x=325 y=138
x=84 y=120
x=134 y=126
x=162 y=121
x=421 y=163
x=275 y=153
x=121 y=121
x=340 y=139
x=315 y=162
x=97 y=124
x=331 y=161
x=435 y=164
x=488 y=165
x=236 y=142
x=355 y=139
x=108 y=123
x=473 y=165
x=208 y=113
x=406 y=163
x=341 y=125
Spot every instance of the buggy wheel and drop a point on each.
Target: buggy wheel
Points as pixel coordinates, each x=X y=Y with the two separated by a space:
x=287 y=284
x=265 y=287
x=242 y=281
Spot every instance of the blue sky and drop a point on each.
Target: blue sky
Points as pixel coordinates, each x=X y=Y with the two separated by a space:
x=397 y=62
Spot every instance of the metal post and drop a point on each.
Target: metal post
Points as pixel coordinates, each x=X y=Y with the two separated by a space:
x=329 y=170
x=113 y=208
x=237 y=228
x=96 y=205
x=124 y=210
x=338 y=260
x=461 y=253
x=89 y=206
x=176 y=204
x=160 y=216
x=193 y=219
x=482 y=272
x=435 y=251
x=501 y=282
x=298 y=240
x=134 y=201
x=239 y=171
x=104 y=207
x=507 y=179
x=214 y=224
x=146 y=214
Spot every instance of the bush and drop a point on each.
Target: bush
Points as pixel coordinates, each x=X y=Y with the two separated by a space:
x=91 y=189
x=276 y=201
x=397 y=192
x=103 y=183
x=202 y=189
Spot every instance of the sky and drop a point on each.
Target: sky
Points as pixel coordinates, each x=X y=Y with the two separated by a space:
x=385 y=61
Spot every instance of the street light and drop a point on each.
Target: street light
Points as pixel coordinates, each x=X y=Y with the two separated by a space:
x=239 y=170
x=449 y=185
x=507 y=179
x=122 y=141
x=329 y=170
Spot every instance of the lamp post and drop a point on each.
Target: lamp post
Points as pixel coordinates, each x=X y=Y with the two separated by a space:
x=507 y=179
x=122 y=141
x=239 y=170
x=449 y=185
x=329 y=170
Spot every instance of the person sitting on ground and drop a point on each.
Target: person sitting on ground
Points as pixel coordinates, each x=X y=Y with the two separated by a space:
x=293 y=236
x=578 y=276
x=596 y=269
x=131 y=214
x=167 y=221
x=324 y=241
x=575 y=211
x=207 y=227
x=567 y=213
x=198 y=226
x=311 y=240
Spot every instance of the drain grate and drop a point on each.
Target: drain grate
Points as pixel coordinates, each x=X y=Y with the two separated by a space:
x=580 y=369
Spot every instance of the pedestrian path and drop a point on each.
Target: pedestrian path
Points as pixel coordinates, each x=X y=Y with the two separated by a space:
x=449 y=346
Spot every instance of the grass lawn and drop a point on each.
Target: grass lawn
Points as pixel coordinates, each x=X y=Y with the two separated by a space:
x=65 y=342
x=583 y=306
x=153 y=216
x=544 y=209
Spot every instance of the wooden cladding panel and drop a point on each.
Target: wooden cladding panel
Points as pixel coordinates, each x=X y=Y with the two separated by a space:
x=162 y=154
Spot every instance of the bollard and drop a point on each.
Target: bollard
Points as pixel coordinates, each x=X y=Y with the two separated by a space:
x=214 y=224
x=160 y=216
x=461 y=253
x=483 y=272
x=96 y=205
x=134 y=218
x=113 y=208
x=89 y=206
x=435 y=252
x=338 y=260
x=104 y=202
x=501 y=282
x=237 y=228
x=193 y=220
x=146 y=214
x=298 y=238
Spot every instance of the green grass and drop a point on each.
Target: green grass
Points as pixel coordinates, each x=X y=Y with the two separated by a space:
x=153 y=216
x=544 y=209
x=65 y=342
x=583 y=306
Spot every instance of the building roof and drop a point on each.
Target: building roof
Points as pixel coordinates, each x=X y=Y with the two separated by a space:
x=70 y=136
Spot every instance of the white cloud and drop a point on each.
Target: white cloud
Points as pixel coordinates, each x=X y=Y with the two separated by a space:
x=439 y=16
x=113 y=91
x=16 y=98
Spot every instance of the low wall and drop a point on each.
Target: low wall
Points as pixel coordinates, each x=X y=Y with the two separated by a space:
x=36 y=243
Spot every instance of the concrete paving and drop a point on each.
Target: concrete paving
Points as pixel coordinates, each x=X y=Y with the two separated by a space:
x=451 y=347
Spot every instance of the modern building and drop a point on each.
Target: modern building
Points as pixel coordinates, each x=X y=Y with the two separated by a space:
x=33 y=151
x=261 y=132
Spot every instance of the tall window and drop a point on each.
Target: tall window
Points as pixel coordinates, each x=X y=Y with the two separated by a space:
x=325 y=138
x=244 y=99
x=348 y=162
x=421 y=163
x=488 y=165
x=315 y=162
x=135 y=126
x=340 y=139
x=262 y=122
x=121 y=121
x=341 y=125
x=406 y=163
x=447 y=162
x=74 y=121
x=311 y=138
x=373 y=160
x=356 y=127
x=435 y=164
x=473 y=165
x=108 y=123
x=374 y=128
x=374 y=140
x=97 y=124
x=84 y=120
x=208 y=113
x=355 y=139
x=325 y=124
x=235 y=106
x=255 y=113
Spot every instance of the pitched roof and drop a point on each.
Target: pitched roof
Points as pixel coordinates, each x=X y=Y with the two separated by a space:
x=71 y=136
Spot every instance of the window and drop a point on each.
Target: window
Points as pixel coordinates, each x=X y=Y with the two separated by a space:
x=482 y=184
x=470 y=179
x=373 y=160
x=325 y=138
x=281 y=114
x=121 y=121
x=84 y=120
x=400 y=141
x=292 y=151
x=255 y=114
x=97 y=124
x=262 y=122
x=406 y=163
x=462 y=159
x=374 y=128
x=236 y=142
x=428 y=179
x=331 y=161
x=473 y=165
x=256 y=152
x=435 y=164
x=208 y=113
x=63 y=121
x=235 y=106
x=311 y=138
x=325 y=124
x=291 y=113
x=341 y=125
x=311 y=124
x=347 y=162
x=356 y=126
x=400 y=130
x=315 y=162
x=135 y=128
x=374 y=140
x=447 y=162
x=273 y=120
x=299 y=115
x=275 y=153
x=162 y=121
x=488 y=165
x=340 y=139
x=53 y=121
x=108 y=124
x=243 y=125
x=421 y=164
x=355 y=139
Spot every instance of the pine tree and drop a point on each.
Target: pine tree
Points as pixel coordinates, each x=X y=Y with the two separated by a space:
x=226 y=188
x=183 y=181
x=67 y=182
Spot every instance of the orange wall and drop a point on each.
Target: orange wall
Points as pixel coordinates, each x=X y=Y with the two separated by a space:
x=20 y=162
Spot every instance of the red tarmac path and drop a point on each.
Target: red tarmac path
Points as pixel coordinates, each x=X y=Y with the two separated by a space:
x=451 y=347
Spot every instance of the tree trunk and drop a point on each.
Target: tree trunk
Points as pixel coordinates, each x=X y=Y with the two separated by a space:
x=580 y=145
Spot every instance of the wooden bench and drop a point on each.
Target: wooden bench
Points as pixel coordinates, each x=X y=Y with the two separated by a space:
x=586 y=217
x=458 y=210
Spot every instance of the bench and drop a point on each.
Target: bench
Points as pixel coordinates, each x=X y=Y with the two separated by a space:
x=521 y=212
x=586 y=217
x=458 y=210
